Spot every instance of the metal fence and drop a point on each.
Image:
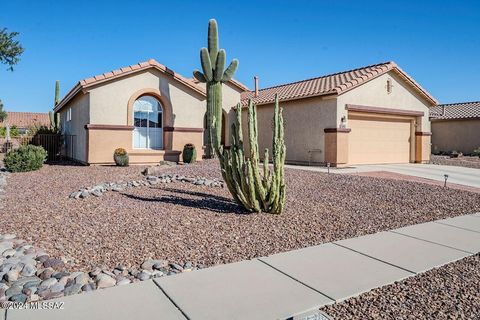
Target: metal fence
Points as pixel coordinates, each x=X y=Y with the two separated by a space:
x=58 y=146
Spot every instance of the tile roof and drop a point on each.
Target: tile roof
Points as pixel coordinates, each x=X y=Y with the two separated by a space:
x=26 y=119
x=462 y=110
x=104 y=77
x=336 y=83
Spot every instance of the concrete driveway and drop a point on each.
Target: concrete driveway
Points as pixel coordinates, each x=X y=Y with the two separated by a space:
x=459 y=175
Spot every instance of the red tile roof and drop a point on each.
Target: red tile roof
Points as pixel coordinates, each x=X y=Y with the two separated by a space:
x=236 y=83
x=26 y=119
x=336 y=83
x=104 y=77
x=462 y=110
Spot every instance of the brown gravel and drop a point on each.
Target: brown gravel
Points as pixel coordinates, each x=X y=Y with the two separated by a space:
x=398 y=176
x=464 y=161
x=181 y=222
x=448 y=292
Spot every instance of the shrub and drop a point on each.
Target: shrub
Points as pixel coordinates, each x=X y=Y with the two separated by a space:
x=189 y=153
x=476 y=152
x=14 y=132
x=26 y=158
x=120 y=156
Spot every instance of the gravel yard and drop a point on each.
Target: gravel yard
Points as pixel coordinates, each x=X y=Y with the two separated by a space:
x=183 y=222
x=464 y=161
x=448 y=292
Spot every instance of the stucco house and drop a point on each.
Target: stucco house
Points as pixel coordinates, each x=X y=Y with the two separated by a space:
x=146 y=108
x=373 y=114
x=456 y=127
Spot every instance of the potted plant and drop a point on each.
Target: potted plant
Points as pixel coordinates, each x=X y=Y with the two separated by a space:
x=120 y=156
x=189 y=153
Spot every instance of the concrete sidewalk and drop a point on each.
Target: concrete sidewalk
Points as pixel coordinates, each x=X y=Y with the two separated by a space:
x=283 y=285
x=457 y=175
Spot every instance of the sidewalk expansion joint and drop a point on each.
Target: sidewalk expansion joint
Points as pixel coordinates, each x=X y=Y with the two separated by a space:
x=371 y=257
x=295 y=279
x=440 y=244
x=449 y=225
x=171 y=300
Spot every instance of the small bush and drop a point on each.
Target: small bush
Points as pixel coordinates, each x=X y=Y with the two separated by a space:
x=14 y=132
x=120 y=156
x=455 y=154
x=26 y=158
x=189 y=153
x=476 y=152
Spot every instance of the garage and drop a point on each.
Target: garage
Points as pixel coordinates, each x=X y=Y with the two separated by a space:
x=379 y=139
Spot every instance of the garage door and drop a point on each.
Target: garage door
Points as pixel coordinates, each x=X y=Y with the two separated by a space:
x=374 y=140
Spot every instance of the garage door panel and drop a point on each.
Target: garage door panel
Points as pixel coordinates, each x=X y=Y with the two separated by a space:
x=379 y=141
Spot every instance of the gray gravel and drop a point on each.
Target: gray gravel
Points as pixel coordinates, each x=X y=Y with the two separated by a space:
x=183 y=222
x=464 y=161
x=449 y=292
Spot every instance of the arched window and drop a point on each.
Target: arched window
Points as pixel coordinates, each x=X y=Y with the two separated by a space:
x=148 y=122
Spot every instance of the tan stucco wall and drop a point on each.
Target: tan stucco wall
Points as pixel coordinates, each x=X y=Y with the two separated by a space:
x=103 y=142
x=80 y=107
x=422 y=146
x=459 y=135
x=374 y=94
x=304 y=120
x=109 y=101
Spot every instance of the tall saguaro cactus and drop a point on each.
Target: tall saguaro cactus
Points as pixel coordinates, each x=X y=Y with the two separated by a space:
x=257 y=190
x=214 y=74
x=55 y=117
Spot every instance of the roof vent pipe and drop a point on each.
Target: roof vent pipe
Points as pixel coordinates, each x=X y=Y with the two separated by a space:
x=443 y=110
x=255 y=78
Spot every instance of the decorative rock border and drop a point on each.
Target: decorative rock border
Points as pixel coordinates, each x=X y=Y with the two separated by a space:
x=29 y=274
x=3 y=184
x=100 y=189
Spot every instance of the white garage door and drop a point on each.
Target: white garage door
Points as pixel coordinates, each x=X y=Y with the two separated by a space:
x=374 y=140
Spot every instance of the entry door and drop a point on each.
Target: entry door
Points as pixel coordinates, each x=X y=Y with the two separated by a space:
x=376 y=141
x=147 y=115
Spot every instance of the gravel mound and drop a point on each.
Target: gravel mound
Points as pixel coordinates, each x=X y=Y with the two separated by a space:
x=448 y=292
x=183 y=222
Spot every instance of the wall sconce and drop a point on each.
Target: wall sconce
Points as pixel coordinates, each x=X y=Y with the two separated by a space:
x=343 y=122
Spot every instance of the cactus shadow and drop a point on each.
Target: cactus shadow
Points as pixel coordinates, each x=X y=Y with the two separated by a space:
x=205 y=201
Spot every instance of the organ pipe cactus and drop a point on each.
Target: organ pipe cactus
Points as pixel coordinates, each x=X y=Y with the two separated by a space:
x=214 y=74
x=257 y=190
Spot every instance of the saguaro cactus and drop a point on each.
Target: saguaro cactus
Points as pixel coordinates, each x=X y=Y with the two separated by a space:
x=256 y=191
x=57 y=93
x=55 y=117
x=214 y=74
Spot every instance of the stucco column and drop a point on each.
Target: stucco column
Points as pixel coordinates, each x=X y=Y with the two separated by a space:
x=336 y=146
x=422 y=146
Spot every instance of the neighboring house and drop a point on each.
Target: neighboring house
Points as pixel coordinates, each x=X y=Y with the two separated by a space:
x=374 y=114
x=456 y=127
x=25 y=120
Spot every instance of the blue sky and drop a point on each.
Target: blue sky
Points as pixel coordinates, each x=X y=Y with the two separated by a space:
x=436 y=42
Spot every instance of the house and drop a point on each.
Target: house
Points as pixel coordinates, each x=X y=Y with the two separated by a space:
x=146 y=108
x=374 y=114
x=456 y=127
x=25 y=120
